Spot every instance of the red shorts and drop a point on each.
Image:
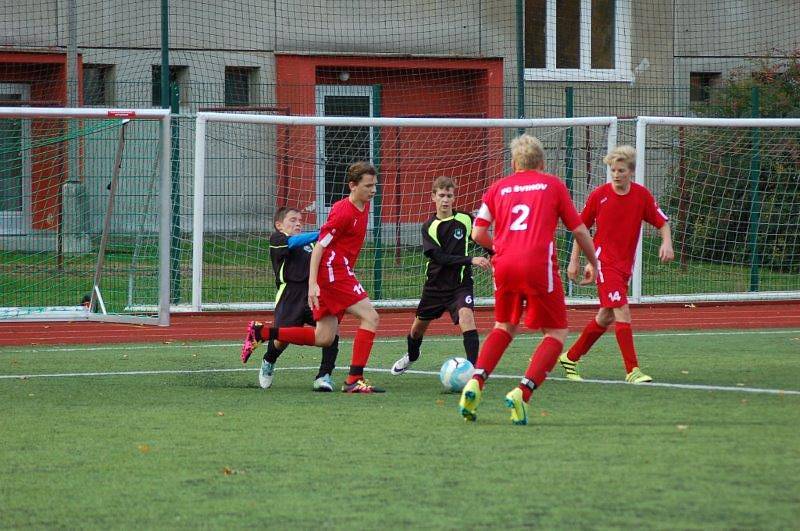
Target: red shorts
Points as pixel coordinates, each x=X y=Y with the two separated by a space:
x=540 y=297
x=612 y=287
x=335 y=297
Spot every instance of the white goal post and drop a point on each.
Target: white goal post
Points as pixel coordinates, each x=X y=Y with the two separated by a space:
x=68 y=168
x=730 y=186
x=246 y=165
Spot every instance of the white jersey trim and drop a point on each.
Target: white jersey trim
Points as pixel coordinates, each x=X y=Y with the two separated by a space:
x=483 y=213
x=329 y=265
x=599 y=266
x=550 y=267
x=325 y=241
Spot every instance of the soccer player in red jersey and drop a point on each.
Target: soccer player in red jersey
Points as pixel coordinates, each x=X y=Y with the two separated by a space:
x=333 y=289
x=618 y=209
x=525 y=208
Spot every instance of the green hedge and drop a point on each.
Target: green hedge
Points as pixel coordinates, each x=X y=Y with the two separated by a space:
x=715 y=203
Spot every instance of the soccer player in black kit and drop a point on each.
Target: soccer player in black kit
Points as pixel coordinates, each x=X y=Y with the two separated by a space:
x=449 y=284
x=290 y=253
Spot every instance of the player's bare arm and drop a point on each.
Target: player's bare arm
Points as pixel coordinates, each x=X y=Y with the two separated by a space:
x=574 y=262
x=313 y=287
x=665 y=252
x=481 y=236
x=584 y=240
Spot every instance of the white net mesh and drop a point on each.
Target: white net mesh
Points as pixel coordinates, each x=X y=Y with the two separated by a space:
x=253 y=169
x=55 y=184
x=733 y=194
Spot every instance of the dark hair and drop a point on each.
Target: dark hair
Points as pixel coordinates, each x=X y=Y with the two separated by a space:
x=357 y=170
x=281 y=214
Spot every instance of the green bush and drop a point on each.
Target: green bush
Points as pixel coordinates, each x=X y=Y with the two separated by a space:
x=778 y=83
x=716 y=197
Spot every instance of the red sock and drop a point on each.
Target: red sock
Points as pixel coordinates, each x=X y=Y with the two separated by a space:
x=542 y=362
x=591 y=333
x=297 y=335
x=492 y=350
x=362 y=346
x=625 y=341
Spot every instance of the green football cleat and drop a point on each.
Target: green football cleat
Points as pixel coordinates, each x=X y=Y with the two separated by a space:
x=569 y=368
x=470 y=398
x=518 y=407
x=636 y=376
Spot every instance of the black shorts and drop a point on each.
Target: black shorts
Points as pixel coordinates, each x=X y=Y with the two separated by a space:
x=433 y=304
x=292 y=308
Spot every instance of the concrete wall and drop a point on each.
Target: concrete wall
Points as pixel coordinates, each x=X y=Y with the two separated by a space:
x=732 y=34
x=669 y=39
x=735 y=28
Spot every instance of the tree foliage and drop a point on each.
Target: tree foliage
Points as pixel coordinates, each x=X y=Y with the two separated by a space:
x=720 y=202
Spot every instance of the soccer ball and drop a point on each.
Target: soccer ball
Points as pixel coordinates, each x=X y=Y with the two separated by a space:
x=455 y=373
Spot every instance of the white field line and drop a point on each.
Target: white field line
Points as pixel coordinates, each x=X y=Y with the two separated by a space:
x=432 y=339
x=694 y=387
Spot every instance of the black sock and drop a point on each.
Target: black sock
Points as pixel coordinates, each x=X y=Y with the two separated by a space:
x=471 y=345
x=272 y=352
x=413 y=347
x=329 y=354
x=257 y=331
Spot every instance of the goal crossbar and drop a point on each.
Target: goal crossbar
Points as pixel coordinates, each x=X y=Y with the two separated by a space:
x=353 y=121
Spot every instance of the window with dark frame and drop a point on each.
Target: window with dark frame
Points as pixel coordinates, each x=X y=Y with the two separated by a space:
x=238 y=85
x=568 y=33
x=535 y=33
x=585 y=37
x=603 y=34
x=97 y=85
x=177 y=74
x=701 y=85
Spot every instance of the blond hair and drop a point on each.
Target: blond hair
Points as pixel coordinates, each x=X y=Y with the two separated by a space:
x=625 y=154
x=527 y=152
x=443 y=183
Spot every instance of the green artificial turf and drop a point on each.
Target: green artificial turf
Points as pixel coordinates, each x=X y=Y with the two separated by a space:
x=213 y=450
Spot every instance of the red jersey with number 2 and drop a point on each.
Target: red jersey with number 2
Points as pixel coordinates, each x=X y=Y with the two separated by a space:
x=525 y=208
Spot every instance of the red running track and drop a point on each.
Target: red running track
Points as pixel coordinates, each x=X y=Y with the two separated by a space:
x=231 y=326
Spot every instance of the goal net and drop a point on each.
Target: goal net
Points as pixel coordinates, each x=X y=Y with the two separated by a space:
x=247 y=166
x=84 y=214
x=732 y=190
